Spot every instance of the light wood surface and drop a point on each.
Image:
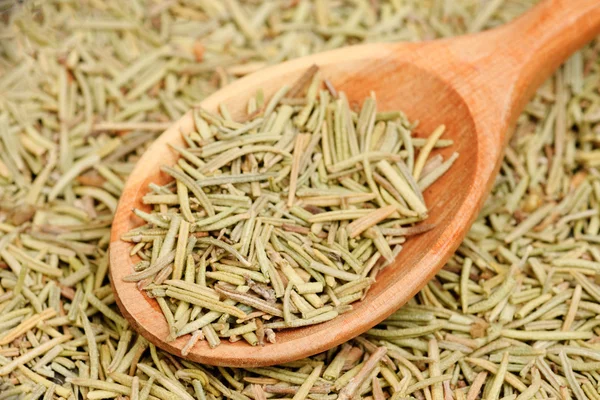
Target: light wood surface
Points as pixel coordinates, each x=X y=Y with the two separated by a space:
x=476 y=85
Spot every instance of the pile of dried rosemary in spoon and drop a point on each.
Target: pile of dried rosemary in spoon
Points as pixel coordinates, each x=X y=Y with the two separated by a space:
x=283 y=220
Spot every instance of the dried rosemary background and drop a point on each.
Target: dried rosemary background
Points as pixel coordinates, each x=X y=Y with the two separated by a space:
x=282 y=220
x=85 y=85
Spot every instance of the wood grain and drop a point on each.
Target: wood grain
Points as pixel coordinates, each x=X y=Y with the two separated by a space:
x=477 y=85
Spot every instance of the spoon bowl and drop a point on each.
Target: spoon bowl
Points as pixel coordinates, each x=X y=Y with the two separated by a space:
x=476 y=85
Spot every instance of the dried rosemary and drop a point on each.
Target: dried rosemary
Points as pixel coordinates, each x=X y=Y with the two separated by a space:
x=66 y=68
x=278 y=218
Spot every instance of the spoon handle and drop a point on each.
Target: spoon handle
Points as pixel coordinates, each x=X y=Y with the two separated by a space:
x=499 y=70
x=542 y=39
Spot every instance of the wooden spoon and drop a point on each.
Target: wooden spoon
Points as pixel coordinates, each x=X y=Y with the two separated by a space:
x=477 y=85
